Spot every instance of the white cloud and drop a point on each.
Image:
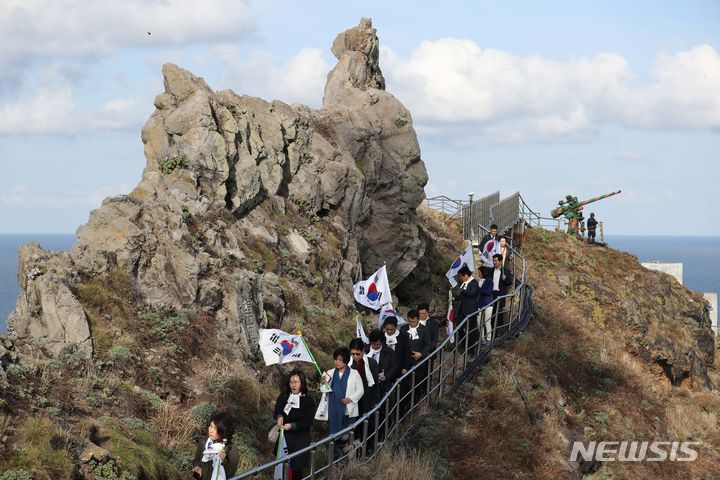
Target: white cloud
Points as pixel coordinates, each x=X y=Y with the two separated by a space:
x=299 y=79
x=47 y=28
x=508 y=97
x=52 y=110
x=21 y=195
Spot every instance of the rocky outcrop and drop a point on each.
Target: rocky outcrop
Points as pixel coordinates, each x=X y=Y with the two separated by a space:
x=239 y=193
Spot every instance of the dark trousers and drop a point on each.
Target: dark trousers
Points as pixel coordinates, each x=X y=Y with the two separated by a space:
x=591 y=235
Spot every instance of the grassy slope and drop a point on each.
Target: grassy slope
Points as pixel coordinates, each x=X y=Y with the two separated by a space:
x=595 y=365
x=157 y=375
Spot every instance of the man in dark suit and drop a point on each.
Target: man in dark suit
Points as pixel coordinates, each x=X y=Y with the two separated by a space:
x=502 y=277
x=420 y=348
x=419 y=338
x=430 y=323
x=467 y=303
x=398 y=343
x=490 y=236
x=368 y=370
x=386 y=360
x=433 y=327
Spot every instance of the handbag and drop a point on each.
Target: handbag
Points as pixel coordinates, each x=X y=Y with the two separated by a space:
x=273 y=433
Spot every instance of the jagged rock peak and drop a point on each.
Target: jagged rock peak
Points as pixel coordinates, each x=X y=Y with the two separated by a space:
x=358 y=52
x=233 y=183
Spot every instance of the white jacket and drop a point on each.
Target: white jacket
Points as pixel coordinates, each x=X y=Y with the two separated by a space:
x=354 y=391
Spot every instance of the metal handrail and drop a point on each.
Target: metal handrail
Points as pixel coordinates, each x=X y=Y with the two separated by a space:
x=441 y=203
x=418 y=392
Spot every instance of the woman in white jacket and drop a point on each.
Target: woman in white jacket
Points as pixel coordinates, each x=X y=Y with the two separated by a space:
x=347 y=390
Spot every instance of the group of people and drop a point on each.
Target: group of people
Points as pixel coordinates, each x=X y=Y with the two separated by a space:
x=363 y=373
x=473 y=295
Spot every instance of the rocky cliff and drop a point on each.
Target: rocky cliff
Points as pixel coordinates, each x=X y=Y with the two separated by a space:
x=237 y=194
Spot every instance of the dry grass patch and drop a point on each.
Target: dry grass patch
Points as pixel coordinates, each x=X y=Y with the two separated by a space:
x=392 y=463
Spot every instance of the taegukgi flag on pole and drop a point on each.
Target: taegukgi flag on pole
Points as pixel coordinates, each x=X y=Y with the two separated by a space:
x=465 y=258
x=277 y=346
x=389 y=311
x=360 y=331
x=375 y=291
x=490 y=248
x=450 y=318
x=282 y=451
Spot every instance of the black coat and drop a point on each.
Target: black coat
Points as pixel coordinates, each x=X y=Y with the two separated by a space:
x=402 y=352
x=434 y=328
x=388 y=363
x=506 y=280
x=467 y=300
x=371 y=394
x=592 y=223
x=232 y=457
x=300 y=420
x=421 y=344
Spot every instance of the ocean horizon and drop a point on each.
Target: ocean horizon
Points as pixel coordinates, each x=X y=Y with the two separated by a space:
x=700 y=256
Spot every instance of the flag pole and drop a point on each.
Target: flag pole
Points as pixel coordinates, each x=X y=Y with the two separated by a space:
x=307 y=347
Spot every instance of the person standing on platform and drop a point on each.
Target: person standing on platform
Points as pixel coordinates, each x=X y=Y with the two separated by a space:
x=591 y=227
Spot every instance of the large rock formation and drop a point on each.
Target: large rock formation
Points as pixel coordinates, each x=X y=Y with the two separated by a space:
x=228 y=176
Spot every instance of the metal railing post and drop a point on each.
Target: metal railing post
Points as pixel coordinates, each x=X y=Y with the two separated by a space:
x=397 y=405
x=312 y=463
x=441 y=380
x=455 y=361
x=331 y=459
x=412 y=390
x=428 y=386
x=365 y=437
x=377 y=432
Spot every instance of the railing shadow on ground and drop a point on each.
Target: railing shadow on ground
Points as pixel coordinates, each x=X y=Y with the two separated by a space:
x=435 y=377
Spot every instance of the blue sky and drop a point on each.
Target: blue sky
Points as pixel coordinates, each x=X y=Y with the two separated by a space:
x=547 y=98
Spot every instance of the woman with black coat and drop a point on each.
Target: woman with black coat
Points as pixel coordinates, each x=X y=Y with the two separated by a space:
x=294 y=413
x=218 y=439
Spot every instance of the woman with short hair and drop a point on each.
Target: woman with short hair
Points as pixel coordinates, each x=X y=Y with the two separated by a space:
x=216 y=450
x=347 y=390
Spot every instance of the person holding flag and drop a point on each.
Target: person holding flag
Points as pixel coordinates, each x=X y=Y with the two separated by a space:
x=294 y=413
x=340 y=406
x=216 y=458
x=489 y=248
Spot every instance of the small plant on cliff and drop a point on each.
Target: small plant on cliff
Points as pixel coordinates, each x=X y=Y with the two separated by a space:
x=119 y=352
x=186 y=213
x=170 y=164
x=15 y=474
